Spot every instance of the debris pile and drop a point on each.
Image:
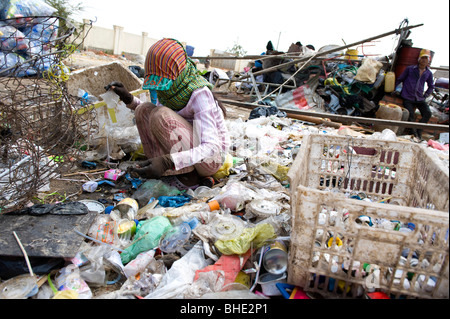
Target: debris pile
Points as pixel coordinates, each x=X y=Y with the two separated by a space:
x=149 y=240
x=239 y=236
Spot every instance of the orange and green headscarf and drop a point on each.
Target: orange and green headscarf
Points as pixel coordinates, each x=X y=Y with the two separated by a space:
x=170 y=72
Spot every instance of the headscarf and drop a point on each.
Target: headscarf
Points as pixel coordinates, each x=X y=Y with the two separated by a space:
x=170 y=72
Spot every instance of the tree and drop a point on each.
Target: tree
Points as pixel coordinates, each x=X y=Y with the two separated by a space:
x=64 y=8
x=237 y=50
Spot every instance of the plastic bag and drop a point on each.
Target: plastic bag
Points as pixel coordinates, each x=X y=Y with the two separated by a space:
x=12 y=40
x=139 y=264
x=205 y=282
x=234 y=195
x=69 y=279
x=153 y=188
x=228 y=265
x=28 y=8
x=103 y=229
x=174 y=201
x=368 y=71
x=10 y=60
x=181 y=275
x=148 y=234
x=94 y=271
x=240 y=245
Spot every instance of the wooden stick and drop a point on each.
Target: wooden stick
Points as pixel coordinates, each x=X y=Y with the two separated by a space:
x=101 y=170
x=25 y=254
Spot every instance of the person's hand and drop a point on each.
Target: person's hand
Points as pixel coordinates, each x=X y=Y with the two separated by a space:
x=121 y=91
x=155 y=168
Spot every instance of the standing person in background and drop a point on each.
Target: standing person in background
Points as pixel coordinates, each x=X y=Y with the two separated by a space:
x=183 y=132
x=414 y=78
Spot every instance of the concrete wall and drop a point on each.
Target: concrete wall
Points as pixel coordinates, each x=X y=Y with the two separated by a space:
x=117 y=41
x=235 y=65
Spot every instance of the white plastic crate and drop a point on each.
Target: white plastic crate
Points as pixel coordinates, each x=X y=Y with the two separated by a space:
x=330 y=237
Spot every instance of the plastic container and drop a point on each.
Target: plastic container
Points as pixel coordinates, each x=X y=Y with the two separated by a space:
x=413 y=185
x=389 y=82
x=388 y=111
x=126 y=208
x=93 y=205
x=380 y=79
x=268 y=283
x=126 y=228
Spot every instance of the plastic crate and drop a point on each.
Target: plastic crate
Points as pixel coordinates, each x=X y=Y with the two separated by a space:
x=333 y=249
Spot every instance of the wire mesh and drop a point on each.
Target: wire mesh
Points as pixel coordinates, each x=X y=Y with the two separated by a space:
x=39 y=128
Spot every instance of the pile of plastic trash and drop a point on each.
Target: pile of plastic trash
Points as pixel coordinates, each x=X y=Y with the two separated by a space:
x=226 y=241
x=27 y=32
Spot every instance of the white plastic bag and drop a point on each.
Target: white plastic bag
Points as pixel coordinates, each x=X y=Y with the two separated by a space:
x=181 y=275
x=139 y=264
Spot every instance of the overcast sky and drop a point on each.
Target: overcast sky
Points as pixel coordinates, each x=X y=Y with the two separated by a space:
x=219 y=25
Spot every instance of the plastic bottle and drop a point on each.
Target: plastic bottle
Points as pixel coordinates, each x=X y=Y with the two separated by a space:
x=177 y=237
x=380 y=79
x=194 y=207
x=389 y=82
